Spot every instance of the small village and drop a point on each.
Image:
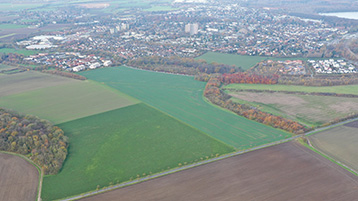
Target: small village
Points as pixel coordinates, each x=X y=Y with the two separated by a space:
x=332 y=66
x=70 y=61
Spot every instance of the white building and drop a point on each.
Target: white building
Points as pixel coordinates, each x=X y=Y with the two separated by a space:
x=192 y=28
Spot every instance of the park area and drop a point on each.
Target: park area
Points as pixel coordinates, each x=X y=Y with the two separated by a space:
x=125 y=144
x=182 y=97
x=283 y=172
x=340 y=143
x=19 y=178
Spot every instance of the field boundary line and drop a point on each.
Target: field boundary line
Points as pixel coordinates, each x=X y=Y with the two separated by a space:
x=332 y=159
x=174 y=170
x=39 y=187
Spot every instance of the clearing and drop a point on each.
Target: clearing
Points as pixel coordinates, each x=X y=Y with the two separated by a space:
x=182 y=97
x=67 y=102
x=130 y=142
x=339 y=143
x=19 y=178
x=307 y=109
x=283 y=172
x=346 y=89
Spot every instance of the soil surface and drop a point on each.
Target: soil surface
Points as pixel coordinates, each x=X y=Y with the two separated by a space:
x=283 y=172
x=19 y=179
x=353 y=124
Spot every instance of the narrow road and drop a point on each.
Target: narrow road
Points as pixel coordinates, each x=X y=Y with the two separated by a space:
x=203 y=162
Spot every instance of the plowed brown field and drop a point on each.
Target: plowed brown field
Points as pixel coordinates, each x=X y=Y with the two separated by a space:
x=284 y=172
x=19 y=179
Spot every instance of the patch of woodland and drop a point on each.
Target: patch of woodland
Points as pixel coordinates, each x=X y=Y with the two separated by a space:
x=45 y=144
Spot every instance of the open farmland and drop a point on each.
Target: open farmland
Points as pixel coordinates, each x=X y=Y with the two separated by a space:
x=307 y=109
x=26 y=81
x=345 y=89
x=67 y=102
x=112 y=147
x=19 y=179
x=339 y=143
x=283 y=172
x=243 y=61
x=182 y=98
x=18 y=51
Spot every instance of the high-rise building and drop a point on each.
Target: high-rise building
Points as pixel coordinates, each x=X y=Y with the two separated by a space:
x=192 y=28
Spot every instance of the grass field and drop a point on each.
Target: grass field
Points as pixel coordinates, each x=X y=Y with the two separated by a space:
x=339 y=143
x=11 y=26
x=4 y=67
x=346 y=89
x=121 y=144
x=21 y=51
x=8 y=35
x=19 y=178
x=67 y=102
x=306 y=109
x=284 y=172
x=182 y=97
x=30 y=80
x=18 y=6
x=243 y=61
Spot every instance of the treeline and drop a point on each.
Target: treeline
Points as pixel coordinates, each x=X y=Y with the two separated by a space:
x=319 y=80
x=65 y=74
x=38 y=139
x=180 y=65
x=217 y=96
x=298 y=93
x=249 y=78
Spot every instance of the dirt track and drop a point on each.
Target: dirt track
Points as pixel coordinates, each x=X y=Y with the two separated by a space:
x=283 y=172
x=18 y=179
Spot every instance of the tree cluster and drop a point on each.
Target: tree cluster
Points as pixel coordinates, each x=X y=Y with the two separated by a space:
x=217 y=96
x=180 y=65
x=249 y=78
x=65 y=74
x=38 y=139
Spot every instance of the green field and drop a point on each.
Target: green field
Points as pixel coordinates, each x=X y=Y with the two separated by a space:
x=67 y=102
x=121 y=144
x=4 y=67
x=182 y=97
x=8 y=35
x=339 y=143
x=11 y=26
x=243 y=61
x=30 y=80
x=306 y=109
x=346 y=89
x=18 y=6
x=19 y=51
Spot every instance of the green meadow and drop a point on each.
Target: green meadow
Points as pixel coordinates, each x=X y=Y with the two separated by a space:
x=344 y=89
x=124 y=144
x=182 y=97
x=67 y=102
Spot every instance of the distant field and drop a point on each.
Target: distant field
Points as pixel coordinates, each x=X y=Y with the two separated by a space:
x=307 y=109
x=346 y=89
x=11 y=26
x=19 y=178
x=26 y=81
x=121 y=144
x=339 y=143
x=182 y=97
x=21 y=51
x=243 y=61
x=4 y=67
x=283 y=172
x=67 y=102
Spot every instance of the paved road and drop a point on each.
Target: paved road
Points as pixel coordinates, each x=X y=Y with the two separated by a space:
x=205 y=162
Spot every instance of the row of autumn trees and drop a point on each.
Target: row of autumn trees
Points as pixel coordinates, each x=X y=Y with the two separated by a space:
x=65 y=74
x=35 y=138
x=188 y=66
x=217 y=96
